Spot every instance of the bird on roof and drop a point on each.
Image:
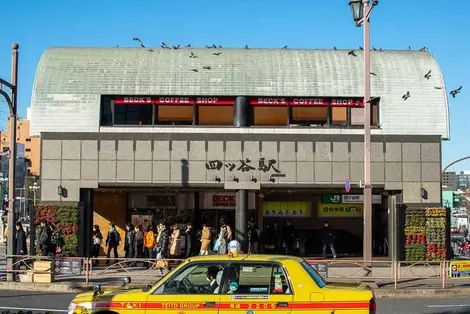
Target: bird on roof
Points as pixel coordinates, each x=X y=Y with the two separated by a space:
x=360 y=48
x=192 y=55
x=373 y=48
x=352 y=53
x=409 y=47
x=334 y=48
x=285 y=47
x=194 y=70
x=117 y=46
x=406 y=96
x=372 y=73
x=437 y=87
x=206 y=68
x=188 y=46
x=246 y=47
x=208 y=47
x=423 y=49
x=380 y=49
x=176 y=47
x=214 y=46
x=455 y=91
x=427 y=75
x=217 y=53
x=164 y=45
x=138 y=40
x=220 y=46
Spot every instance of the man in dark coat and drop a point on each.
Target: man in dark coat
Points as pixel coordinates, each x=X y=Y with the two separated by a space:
x=328 y=239
x=44 y=239
x=190 y=235
x=112 y=242
x=289 y=236
x=163 y=241
x=129 y=241
x=21 y=248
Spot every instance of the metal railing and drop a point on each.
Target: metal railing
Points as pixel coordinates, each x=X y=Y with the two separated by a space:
x=107 y=270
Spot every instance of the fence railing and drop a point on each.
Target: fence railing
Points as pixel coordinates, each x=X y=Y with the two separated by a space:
x=88 y=270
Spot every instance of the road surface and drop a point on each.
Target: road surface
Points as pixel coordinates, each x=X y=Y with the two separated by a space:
x=57 y=303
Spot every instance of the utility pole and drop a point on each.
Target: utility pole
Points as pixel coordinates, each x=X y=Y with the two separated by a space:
x=12 y=104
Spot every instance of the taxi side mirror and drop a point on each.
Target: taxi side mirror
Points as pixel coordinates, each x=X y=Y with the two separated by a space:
x=126 y=281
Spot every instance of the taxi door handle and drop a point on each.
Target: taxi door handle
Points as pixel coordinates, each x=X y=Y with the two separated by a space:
x=209 y=304
x=282 y=304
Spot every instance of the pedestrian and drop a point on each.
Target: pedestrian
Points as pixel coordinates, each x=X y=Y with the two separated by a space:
x=149 y=242
x=56 y=240
x=163 y=240
x=253 y=237
x=129 y=241
x=289 y=235
x=112 y=242
x=21 y=247
x=190 y=235
x=205 y=240
x=138 y=242
x=97 y=238
x=328 y=239
x=175 y=241
x=269 y=239
x=223 y=222
x=277 y=234
x=222 y=240
x=44 y=239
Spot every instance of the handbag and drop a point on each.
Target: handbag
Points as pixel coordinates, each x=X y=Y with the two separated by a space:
x=216 y=245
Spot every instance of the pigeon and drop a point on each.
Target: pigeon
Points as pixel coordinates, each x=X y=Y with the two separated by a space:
x=455 y=91
x=360 y=48
x=117 y=46
x=352 y=53
x=194 y=70
x=151 y=50
x=206 y=68
x=423 y=49
x=142 y=45
x=285 y=47
x=334 y=48
x=406 y=96
x=380 y=49
x=208 y=47
x=164 y=45
x=220 y=46
x=188 y=46
x=217 y=53
x=437 y=87
x=428 y=75
x=372 y=73
x=138 y=40
x=373 y=48
x=176 y=47
x=192 y=55
x=409 y=47
x=214 y=46
x=246 y=47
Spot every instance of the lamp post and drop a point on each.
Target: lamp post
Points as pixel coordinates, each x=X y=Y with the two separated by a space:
x=2 y=222
x=361 y=11
x=13 y=86
x=35 y=187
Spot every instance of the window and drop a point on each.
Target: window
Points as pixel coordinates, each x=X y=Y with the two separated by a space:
x=270 y=115
x=309 y=115
x=195 y=279
x=133 y=114
x=215 y=115
x=357 y=116
x=339 y=115
x=106 y=111
x=313 y=274
x=28 y=140
x=252 y=278
x=28 y=149
x=375 y=115
x=175 y=115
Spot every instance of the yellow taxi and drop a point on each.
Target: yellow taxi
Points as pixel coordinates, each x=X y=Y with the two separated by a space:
x=246 y=284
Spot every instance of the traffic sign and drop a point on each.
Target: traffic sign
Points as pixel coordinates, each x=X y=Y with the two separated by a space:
x=347 y=185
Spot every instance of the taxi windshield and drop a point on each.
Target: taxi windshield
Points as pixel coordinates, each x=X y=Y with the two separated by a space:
x=313 y=274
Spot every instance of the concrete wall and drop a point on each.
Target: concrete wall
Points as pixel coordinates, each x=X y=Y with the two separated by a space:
x=89 y=160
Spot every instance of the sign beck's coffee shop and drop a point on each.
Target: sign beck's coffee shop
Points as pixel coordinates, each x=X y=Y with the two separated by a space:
x=272 y=135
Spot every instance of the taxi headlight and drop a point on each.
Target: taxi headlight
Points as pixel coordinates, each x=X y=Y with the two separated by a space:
x=72 y=307
x=83 y=305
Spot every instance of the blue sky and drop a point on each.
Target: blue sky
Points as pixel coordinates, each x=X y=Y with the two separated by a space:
x=37 y=25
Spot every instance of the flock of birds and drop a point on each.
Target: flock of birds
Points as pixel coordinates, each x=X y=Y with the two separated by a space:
x=352 y=53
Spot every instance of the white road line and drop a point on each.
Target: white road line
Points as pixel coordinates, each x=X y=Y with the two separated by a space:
x=32 y=309
x=448 y=305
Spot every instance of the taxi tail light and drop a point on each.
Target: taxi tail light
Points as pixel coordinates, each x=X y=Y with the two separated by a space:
x=372 y=306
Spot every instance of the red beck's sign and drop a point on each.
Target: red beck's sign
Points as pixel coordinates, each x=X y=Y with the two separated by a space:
x=308 y=101
x=128 y=100
x=222 y=200
x=174 y=100
x=269 y=101
x=214 y=101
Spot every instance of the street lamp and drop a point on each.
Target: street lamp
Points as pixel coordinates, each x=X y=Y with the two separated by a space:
x=35 y=187
x=361 y=11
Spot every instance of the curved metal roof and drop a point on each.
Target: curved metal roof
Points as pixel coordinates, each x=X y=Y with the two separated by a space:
x=70 y=80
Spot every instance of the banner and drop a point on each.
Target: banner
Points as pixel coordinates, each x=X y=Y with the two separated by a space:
x=460 y=269
x=340 y=210
x=349 y=199
x=286 y=209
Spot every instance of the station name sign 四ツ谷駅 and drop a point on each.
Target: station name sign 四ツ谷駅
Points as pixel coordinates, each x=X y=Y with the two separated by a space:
x=255 y=101
x=349 y=199
x=340 y=210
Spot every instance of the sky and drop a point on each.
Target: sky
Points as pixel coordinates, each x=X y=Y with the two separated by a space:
x=444 y=29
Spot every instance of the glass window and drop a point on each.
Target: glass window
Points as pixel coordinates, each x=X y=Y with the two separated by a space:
x=309 y=115
x=357 y=116
x=215 y=115
x=270 y=115
x=176 y=115
x=313 y=274
x=195 y=279
x=133 y=114
x=375 y=115
x=339 y=115
x=252 y=278
x=106 y=111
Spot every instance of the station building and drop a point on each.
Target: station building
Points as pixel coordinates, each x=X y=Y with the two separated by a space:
x=145 y=135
